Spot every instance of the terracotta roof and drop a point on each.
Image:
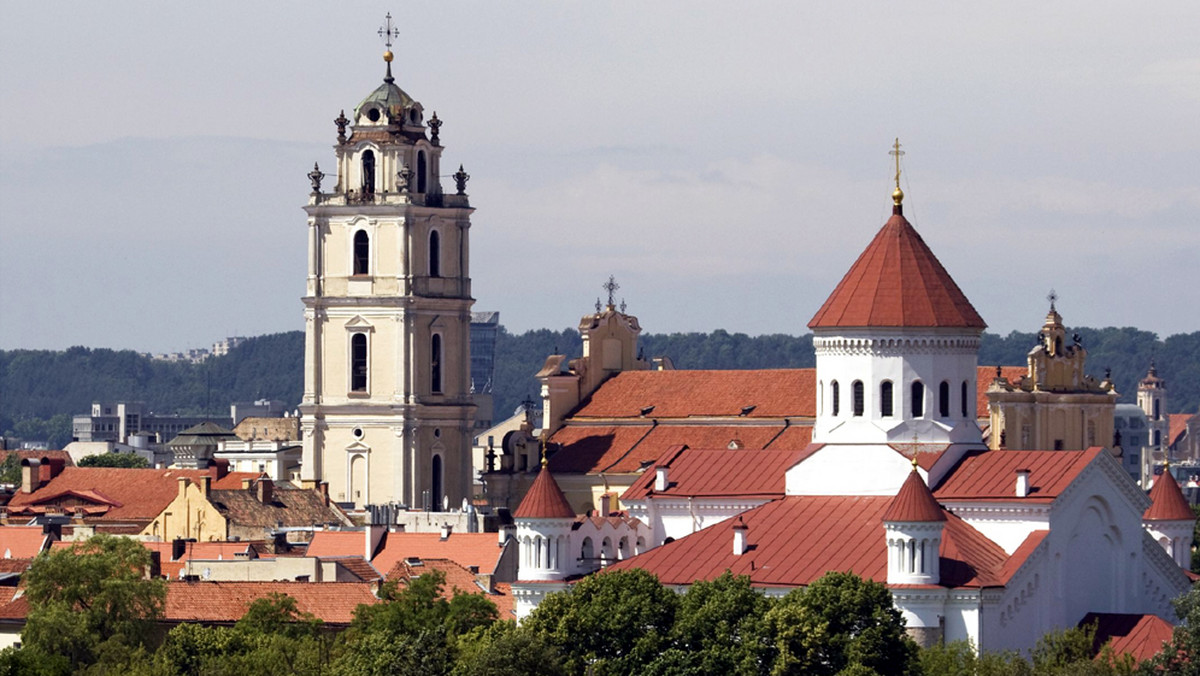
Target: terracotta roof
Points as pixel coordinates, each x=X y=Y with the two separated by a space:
x=330 y=543
x=984 y=375
x=1022 y=553
x=774 y=393
x=118 y=494
x=332 y=602
x=457 y=579
x=544 y=500
x=357 y=565
x=795 y=540
x=715 y=473
x=914 y=502
x=1176 y=426
x=629 y=448
x=62 y=456
x=15 y=565
x=897 y=281
x=1167 y=501
x=992 y=475
x=21 y=542
x=17 y=605
x=1141 y=636
x=465 y=549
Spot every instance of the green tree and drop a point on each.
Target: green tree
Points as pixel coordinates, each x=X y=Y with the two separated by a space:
x=415 y=630
x=720 y=628
x=92 y=601
x=124 y=460
x=839 y=621
x=505 y=649
x=615 y=622
x=10 y=469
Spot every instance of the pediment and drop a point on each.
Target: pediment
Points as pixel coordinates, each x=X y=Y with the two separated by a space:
x=357 y=323
x=358 y=447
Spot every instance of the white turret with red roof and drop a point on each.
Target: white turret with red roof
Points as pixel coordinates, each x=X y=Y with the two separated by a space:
x=913 y=524
x=1169 y=519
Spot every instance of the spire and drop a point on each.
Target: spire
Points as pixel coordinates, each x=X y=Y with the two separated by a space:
x=388 y=32
x=1167 y=501
x=897 y=194
x=914 y=502
x=544 y=500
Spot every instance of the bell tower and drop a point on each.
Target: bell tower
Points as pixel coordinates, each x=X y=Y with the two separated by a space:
x=387 y=410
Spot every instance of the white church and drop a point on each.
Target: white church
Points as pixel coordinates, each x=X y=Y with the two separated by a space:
x=994 y=546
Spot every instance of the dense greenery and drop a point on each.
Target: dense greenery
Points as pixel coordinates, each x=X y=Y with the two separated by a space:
x=92 y=610
x=122 y=460
x=40 y=390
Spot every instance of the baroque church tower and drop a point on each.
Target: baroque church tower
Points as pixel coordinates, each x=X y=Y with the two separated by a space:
x=387 y=409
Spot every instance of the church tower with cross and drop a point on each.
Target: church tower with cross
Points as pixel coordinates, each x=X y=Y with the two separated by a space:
x=387 y=409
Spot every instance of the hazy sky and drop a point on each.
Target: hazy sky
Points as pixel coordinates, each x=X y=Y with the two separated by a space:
x=725 y=161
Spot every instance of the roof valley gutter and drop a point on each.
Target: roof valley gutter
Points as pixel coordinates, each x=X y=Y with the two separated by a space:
x=653 y=425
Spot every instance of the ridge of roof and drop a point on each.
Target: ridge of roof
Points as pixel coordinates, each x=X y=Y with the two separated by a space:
x=1167 y=502
x=897 y=281
x=914 y=502
x=544 y=500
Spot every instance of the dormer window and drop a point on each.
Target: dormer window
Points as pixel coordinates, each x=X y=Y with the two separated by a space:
x=373 y=114
x=414 y=117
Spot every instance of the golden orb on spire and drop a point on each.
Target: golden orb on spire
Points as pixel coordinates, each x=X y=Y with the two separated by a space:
x=387 y=56
x=897 y=196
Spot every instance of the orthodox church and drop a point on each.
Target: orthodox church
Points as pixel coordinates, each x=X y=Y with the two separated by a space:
x=873 y=463
x=387 y=412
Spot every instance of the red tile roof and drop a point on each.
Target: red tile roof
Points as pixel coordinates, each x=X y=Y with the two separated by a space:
x=716 y=473
x=992 y=475
x=773 y=393
x=629 y=448
x=457 y=579
x=118 y=494
x=330 y=543
x=1141 y=636
x=1176 y=426
x=897 y=281
x=332 y=602
x=212 y=551
x=21 y=542
x=1167 y=501
x=914 y=502
x=984 y=375
x=62 y=456
x=544 y=500
x=1023 y=552
x=795 y=540
x=465 y=549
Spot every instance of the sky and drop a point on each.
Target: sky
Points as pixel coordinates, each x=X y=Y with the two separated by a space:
x=726 y=162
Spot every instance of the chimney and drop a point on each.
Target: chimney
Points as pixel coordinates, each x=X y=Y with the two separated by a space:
x=739 y=537
x=446 y=528
x=1022 y=483
x=183 y=484
x=266 y=490
x=205 y=485
x=52 y=530
x=218 y=469
x=31 y=475
x=374 y=536
x=660 y=478
x=155 y=570
x=324 y=488
x=178 y=548
x=54 y=467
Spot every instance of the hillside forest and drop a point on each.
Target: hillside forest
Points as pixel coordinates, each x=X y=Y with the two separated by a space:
x=40 y=389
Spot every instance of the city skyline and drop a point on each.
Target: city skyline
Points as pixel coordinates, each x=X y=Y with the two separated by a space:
x=724 y=166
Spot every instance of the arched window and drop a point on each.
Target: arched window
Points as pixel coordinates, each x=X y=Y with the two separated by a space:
x=358 y=362
x=966 y=410
x=421 y=171
x=918 y=399
x=368 y=172
x=436 y=468
x=435 y=254
x=835 y=401
x=362 y=253
x=586 y=552
x=1157 y=409
x=944 y=400
x=435 y=363
x=885 y=399
x=856 y=397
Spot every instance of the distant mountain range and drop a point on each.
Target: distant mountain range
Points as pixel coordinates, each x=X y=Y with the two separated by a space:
x=41 y=389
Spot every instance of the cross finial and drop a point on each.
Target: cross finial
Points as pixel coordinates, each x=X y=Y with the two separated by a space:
x=897 y=194
x=1052 y=297
x=545 y=462
x=611 y=287
x=388 y=31
x=622 y=306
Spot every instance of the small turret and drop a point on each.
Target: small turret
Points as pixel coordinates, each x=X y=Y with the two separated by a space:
x=1169 y=519
x=913 y=524
x=544 y=520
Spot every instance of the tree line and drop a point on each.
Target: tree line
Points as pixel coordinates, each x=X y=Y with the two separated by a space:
x=92 y=610
x=40 y=389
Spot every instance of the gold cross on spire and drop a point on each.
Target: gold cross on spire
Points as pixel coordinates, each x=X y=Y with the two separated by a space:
x=897 y=194
x=545 y=461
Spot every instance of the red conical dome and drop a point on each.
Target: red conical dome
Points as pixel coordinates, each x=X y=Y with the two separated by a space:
x=1168 y=503
x=545 y=500
x=897 y=282
x=914 y=502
